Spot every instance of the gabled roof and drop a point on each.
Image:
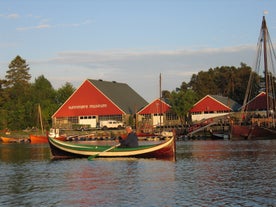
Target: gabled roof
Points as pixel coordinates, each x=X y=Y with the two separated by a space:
x=215 y=103
x=227 y=102
x=258 y=103
x=97 y=97
x=121 y=94
x=155 y=107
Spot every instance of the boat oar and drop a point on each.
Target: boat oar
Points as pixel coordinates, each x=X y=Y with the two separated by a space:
x=93 y=156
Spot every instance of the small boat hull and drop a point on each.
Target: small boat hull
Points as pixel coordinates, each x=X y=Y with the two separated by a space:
x=38 y=139
x=61 y=149
x=251 y=132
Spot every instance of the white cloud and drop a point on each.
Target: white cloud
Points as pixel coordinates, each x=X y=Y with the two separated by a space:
x=40 y=26
x=140 y=69
x=10 y=16
x=45 y=25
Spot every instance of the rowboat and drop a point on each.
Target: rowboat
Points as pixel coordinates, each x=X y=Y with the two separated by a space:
x=62 y=150
x=38 y=139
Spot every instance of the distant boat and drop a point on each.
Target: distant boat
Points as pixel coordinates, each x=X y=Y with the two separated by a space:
x=43 y=137
x=13 y=140
x=258 y=112
x=40 y=139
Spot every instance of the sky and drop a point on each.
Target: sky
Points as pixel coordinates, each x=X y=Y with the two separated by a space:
x=131 y=41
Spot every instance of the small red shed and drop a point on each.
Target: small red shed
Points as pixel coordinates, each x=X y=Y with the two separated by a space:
x=212 y=106
x=157 y=113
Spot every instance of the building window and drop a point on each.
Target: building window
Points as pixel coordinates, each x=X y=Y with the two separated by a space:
x=111 y=117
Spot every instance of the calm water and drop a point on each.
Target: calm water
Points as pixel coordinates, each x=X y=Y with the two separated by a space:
x=207 y=173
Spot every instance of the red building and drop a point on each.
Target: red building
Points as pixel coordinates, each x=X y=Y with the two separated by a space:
x=259 y=103
x=97 y=100
x=157 y=113
x=212 y=106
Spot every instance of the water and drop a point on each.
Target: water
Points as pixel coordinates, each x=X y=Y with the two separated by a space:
x=207 y=173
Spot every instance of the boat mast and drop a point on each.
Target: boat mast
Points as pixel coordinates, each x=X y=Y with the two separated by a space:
x=40 y=118
x=264 y=29
x=160 y=100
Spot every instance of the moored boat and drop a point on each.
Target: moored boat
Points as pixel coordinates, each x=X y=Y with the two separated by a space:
x=257 y=119
x=14 y=140
x=38 y=139
x=60 y=150
x=252 y=132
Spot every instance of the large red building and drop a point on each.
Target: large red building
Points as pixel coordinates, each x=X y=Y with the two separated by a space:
x=97 y=100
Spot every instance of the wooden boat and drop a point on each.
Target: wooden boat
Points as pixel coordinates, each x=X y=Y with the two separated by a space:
x=258 y=111
x=61 y=150
x=220 y=136
x=40 y=139
x=13 y=140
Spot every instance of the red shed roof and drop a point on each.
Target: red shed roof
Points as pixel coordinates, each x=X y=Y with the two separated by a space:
x=155 y=107
x=209 y=103
x=258 y=103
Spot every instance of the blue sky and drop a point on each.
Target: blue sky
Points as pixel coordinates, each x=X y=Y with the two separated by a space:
x=131 y=41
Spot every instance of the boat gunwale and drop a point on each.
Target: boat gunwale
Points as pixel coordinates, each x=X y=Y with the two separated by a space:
x=116 y=152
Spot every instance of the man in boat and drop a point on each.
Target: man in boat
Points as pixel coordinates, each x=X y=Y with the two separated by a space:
x=131 y=140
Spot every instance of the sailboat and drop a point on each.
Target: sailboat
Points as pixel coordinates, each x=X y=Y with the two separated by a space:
x=258 y=111
x=43 y=137
x=39 y=138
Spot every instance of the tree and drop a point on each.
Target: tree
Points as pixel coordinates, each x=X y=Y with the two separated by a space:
x=43 y=94
x=17 y=94
x=64 y=93
x=224 y=80
x=181 y=102
x=166 y=94
x=18 y=73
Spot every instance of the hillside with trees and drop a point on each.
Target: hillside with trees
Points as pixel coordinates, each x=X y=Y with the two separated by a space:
x=225 y=81
x=19 y=98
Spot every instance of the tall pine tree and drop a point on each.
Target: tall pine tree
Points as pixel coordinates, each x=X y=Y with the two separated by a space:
x=17 y=90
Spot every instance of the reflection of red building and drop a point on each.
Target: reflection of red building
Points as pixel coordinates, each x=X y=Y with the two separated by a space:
x=97 y=100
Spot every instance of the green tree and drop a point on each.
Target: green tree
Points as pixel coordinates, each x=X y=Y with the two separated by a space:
x=64 y=93
x=43 y=94
x=181 y=102
x=18 y=73
x=17 y=94
x=225 y=81
x=166 y=94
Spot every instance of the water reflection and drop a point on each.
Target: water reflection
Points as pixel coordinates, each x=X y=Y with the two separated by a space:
x=222 y=173
x=119 y=182
x=23 y=152
x=207 y=173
